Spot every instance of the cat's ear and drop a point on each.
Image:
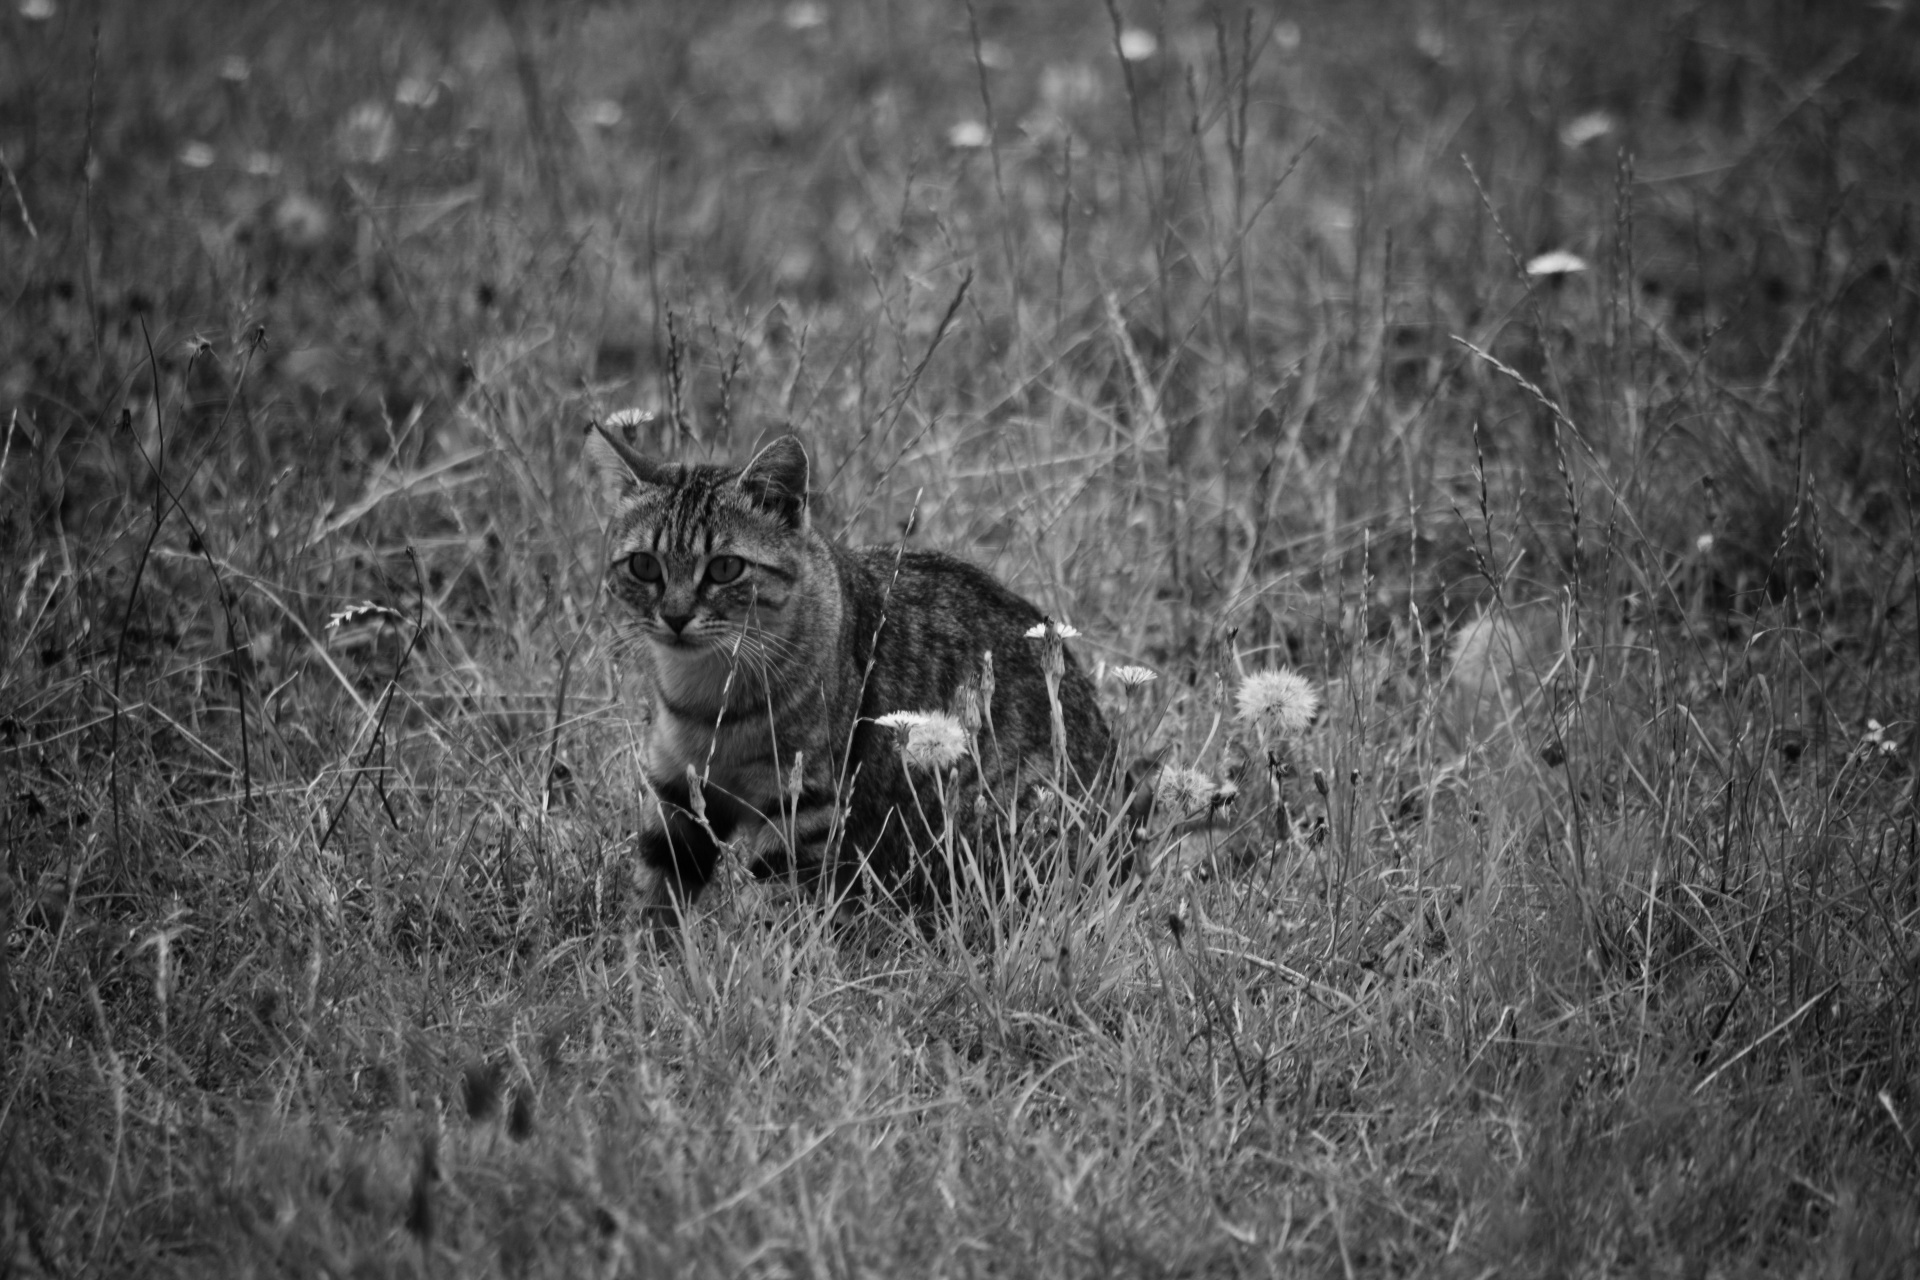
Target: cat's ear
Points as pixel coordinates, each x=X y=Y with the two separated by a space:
x=612 y=449
x=776 y=481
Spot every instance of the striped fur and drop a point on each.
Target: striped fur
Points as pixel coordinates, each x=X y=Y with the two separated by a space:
x=769 y=653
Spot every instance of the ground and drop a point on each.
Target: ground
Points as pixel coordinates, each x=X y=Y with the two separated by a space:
x=1535 y=381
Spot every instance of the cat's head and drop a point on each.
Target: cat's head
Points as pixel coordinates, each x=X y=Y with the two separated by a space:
x=703 y=557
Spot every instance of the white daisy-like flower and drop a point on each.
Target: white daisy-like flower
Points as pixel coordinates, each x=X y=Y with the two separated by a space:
x=968 y=135
x=1052 y=630
x=1131 y=677
x=1583 y=129
x=1137 y=44
x=417 y=91
x=197 y=155
x=929 y=740
x=1555 y=262
x=1283 y=701
x=362 y=612
x=805 y=15
x=602 y=113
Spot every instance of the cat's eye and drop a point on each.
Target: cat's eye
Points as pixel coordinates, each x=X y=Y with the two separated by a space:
x=724 y=569
x=645 y=567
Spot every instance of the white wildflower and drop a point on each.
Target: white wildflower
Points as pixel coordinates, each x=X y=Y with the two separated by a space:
x=1131 y=677
x=929 y=740
x=1137 y=44
x=365 y=611
x=1583 y=129
x=968 y=135
x=1180 y=788
x=1188 y=791
x=602 y=113
x=301 y=221
x=1283 y=701
x=1555 y=262
x=621 y=419
x=1051 y=630
x=367 y=136
x=197 y=155
x=416 y=91
x=805 y=15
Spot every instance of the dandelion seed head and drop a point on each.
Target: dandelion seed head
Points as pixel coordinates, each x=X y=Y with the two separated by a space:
x=1283 y=701
x=929 y=740
x=1179 y=788
x=805 y=16
x=418 y=92
x=603 y=113
x=301 y=221
x=1190 y=790
x=367 y=136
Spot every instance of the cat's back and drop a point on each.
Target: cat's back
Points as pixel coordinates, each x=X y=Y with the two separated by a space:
x=928 y=620
x=940 y=599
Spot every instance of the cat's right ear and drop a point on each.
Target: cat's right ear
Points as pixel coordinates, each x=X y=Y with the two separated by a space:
x=776 y=480
x=621 y=467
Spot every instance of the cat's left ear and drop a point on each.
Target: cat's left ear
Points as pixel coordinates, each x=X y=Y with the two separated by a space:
x=776 y=481
x=612 y=450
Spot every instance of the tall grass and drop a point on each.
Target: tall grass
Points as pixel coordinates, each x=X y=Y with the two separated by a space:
x=1576 y=936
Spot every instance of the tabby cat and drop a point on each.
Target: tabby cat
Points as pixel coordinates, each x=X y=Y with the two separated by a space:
x=769 y=653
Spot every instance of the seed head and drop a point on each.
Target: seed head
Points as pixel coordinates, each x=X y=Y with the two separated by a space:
x=1283 y=701
x=1189 y=791
x=929 y=740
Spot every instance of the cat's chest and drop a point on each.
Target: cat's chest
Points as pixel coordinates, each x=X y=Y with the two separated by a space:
x=706 y=713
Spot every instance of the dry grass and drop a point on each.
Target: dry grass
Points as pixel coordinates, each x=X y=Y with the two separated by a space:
x=1576 y=937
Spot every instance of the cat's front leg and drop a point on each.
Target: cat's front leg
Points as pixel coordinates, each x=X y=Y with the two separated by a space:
x=680 y=850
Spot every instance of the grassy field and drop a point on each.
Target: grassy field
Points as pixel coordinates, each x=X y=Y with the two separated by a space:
x=1576 y=937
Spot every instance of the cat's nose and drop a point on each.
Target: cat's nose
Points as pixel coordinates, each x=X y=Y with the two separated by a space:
x=676 y=622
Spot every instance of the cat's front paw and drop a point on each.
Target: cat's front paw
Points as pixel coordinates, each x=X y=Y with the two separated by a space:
x=660 y=908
